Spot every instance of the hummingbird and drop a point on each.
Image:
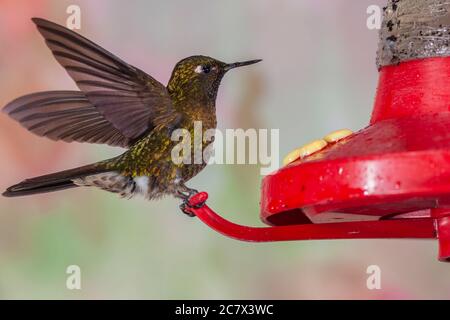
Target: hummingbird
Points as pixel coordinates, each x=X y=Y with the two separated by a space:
x=120 y=105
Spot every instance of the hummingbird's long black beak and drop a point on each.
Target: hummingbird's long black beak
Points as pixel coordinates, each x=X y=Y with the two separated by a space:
x=240 y=64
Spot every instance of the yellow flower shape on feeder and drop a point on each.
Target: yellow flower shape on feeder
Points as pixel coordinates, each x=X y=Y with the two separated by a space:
x=317 y=145
x=305 y=151
x=335 y=136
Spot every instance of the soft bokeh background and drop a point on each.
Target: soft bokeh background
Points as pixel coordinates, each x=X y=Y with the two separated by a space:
x=318 y=75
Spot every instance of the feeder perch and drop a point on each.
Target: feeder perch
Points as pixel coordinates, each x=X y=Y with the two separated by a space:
x=390 y=179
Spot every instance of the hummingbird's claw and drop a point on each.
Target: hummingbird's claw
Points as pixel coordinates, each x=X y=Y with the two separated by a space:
x=185 y=208
x=195 y=200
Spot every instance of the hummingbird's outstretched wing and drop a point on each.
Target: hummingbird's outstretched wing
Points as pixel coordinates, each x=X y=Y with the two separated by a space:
x=131 y=100
x=64 y=115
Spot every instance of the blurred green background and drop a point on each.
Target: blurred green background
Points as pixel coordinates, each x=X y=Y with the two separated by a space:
x=318 y=75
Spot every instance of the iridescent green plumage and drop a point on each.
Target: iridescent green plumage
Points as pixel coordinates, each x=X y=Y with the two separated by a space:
x=193 y=97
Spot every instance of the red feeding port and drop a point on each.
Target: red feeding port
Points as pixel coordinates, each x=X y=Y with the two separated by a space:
x=389 y=180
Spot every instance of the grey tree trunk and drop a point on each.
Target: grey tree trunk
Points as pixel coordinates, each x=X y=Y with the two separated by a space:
x=413 y=29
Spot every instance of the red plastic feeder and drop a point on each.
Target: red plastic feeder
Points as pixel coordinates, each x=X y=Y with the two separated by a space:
x=389 y=180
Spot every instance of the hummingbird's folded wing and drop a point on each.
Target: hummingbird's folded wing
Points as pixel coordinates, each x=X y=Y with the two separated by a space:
x=127 y=97
x=64 y=115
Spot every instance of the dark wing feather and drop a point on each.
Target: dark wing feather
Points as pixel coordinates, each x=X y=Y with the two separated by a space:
x=64 y=115
x=126 y=96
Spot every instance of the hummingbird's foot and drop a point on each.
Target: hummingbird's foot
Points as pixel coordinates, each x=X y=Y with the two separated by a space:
x=185 y=209
x=186 y=194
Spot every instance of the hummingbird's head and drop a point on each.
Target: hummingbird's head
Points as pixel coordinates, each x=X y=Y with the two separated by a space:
x=199 y=77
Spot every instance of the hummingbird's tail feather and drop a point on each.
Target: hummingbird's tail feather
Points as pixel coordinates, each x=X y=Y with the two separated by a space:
x=53 y=182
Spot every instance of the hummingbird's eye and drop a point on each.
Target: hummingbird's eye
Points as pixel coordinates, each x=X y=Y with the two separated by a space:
x=206 y=69
x=203 y=69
